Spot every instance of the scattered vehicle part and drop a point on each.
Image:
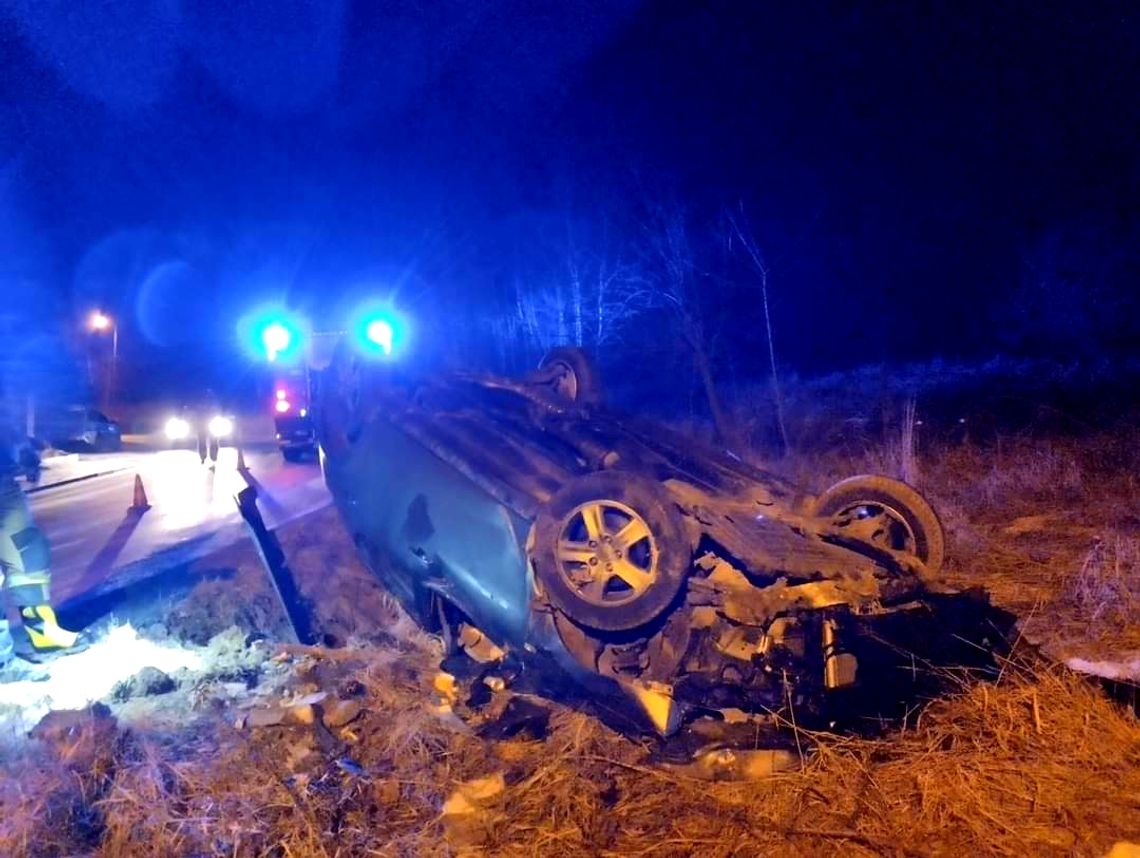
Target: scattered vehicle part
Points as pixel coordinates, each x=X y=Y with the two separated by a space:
x=478 y=645
x=630 y=558
x=464 y=810
x=301 y=714
x=730 y=764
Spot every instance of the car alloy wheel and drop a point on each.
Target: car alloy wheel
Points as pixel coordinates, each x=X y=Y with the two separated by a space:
x=606 y=553
x=610 y=551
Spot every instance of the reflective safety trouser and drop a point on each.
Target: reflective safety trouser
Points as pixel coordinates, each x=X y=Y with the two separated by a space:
x=25 y=559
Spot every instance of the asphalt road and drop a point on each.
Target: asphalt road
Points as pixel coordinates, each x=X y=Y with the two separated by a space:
x=99 y=544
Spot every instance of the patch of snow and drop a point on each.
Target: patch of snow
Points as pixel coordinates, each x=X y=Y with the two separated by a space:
x=1120 y=670
x=76 y=681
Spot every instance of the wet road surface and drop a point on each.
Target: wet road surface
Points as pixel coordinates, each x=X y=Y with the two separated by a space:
x=100 y=544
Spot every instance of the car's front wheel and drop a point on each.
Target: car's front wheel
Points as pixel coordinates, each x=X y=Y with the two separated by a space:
x=888 y=513
x=610 y=551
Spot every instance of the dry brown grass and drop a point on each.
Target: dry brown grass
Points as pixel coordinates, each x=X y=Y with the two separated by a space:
x=1042 y=763
x=1107 y=586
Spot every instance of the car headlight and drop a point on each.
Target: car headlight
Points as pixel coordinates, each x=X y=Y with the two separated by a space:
x=177 y=429
x=221 y=426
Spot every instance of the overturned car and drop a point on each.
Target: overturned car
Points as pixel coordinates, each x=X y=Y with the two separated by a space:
x=524 y=520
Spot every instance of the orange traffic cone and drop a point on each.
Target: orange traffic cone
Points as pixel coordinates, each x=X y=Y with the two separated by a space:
x=140 y=502
x=241 y=461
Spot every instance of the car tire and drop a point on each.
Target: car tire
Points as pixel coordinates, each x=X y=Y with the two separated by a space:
x=899 y=502
x=597 y=593
x=572 y=374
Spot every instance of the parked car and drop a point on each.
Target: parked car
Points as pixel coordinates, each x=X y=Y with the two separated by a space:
x=81 y=427
x=631 y=559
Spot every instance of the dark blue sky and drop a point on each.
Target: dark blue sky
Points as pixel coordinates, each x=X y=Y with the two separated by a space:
x=907 y=165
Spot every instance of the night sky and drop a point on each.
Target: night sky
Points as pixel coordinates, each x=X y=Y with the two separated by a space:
x=926 y=179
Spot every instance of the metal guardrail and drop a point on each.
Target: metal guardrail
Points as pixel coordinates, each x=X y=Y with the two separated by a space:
x=276 y=565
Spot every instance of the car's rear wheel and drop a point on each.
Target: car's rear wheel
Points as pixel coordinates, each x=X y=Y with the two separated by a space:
x=570 y=374
x=887 y=513
x=610 y=551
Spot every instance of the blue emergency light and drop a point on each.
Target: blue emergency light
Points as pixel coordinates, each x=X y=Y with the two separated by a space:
x=274 y=335
x=378 y=332
x=275 y=338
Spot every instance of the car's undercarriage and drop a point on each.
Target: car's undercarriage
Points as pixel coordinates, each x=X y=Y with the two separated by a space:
x=677 y=576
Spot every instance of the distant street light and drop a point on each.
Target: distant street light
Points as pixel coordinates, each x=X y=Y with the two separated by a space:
x=99 y=323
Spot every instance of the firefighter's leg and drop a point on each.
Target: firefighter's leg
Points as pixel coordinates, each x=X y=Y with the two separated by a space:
x=26 y=560
x=12 y=667
x=7 y=645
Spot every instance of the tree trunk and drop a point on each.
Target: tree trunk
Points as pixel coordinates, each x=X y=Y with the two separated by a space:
x=704 y=370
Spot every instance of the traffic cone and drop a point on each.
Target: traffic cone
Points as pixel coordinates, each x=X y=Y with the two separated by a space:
x=140 y=502
x=241 y=461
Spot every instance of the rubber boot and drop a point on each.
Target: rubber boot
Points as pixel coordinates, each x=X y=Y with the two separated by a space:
x=45 y=632
x=12 y=667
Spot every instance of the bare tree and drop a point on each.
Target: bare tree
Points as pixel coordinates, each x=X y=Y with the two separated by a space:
x=588 y=297
x=679 y=283
x=741 y=230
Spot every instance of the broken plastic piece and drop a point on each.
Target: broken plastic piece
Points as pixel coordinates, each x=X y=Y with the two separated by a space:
x=477 y=645
x=444 y=684
x=350 y=766
x=464 y=818
x=469 y=796
x=723 y=764
x=656 y=700
x=280 y=715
